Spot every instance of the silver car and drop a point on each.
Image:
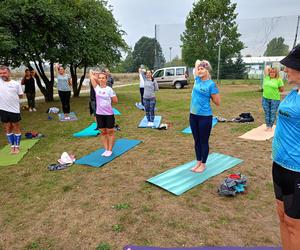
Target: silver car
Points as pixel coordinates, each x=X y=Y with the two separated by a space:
x=172 y=76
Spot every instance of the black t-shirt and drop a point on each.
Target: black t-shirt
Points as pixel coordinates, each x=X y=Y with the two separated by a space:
x=29 y=85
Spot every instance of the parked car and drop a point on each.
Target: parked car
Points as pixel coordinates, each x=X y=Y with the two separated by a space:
x=172 y=76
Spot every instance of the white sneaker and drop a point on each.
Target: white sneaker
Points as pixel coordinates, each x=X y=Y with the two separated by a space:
x=34 y=109
x=30 y=110
x=108 y=153
x=104 y=153
x=150 y=124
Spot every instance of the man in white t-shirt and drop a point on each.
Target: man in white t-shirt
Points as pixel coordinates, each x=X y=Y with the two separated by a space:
x=10 y=92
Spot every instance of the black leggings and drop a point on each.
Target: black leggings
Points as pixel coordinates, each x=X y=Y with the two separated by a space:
x=201 y=128
x=142 y=95
x=287 y=189
x=65 y=100
x=30 y=99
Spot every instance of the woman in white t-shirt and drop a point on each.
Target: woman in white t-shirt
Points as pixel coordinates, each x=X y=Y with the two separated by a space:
x=105 y=96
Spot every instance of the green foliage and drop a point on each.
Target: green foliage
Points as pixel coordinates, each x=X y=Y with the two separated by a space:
x=202 y=35
x=121 y=206
x=78 y=33
x=277 y=47
x=176 y=61
x=233 y=70
x=144 y=53
x=103 y=246
x=117 y=228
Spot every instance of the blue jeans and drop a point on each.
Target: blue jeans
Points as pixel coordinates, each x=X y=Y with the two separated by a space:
x=201 y=128
x=270 y=107
x=149 y=104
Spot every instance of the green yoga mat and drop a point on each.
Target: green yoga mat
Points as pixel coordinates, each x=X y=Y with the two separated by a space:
x=7 y=159
x=181 y=179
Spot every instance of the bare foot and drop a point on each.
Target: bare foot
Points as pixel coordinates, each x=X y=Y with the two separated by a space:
x=198 y=164
x=200 y=169
x=17 y=150
x=12 y=150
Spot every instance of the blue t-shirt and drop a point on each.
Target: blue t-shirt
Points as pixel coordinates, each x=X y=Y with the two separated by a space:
x=286 y=146
x=201 y=94
x=62 y=82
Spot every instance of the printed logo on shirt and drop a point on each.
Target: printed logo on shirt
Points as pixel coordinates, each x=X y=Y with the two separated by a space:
x=284 y=113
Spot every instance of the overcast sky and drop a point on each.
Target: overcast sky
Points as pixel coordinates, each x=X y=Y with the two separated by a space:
x=138 y=17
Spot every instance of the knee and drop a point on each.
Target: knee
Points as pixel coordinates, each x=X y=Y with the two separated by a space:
x=110 y=132
x=103 y=132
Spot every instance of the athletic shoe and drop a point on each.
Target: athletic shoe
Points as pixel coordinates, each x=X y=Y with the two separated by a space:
x=104 y=153
x=150 y=124
x=30 y=110
x=108 y=153
x=34 y=109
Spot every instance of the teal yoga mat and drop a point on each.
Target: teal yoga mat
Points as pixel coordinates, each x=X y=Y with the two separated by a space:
x=89 y=131
x=116 y=112
x=96 y=160
x=144 y=122
x=189 y=131
x=181 y=179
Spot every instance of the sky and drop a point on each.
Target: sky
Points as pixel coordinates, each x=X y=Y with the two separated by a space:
x=138 y=18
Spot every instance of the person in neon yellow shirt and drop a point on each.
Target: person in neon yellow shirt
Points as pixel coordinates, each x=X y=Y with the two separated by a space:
x=272 y=86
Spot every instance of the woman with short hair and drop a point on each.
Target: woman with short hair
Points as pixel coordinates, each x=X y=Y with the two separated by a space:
x=272 y=86
x=204 y=90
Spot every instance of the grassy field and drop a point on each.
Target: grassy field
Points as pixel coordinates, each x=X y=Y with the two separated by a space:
x=109 y=207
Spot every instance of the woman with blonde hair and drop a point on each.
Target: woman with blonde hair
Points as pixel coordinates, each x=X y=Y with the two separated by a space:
x=272 y=86
x=204 y=90
x=105 y=96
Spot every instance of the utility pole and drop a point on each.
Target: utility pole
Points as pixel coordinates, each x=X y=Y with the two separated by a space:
x=170 y=53
x=219 y=54
x=295 y=42
x=155 y=49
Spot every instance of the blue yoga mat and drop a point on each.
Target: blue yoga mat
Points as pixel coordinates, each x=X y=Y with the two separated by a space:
x=189 y=131
x=180 y=179
x=201 y=248
x=96 y=160
x=72 y=116
x=89 y=131
x=116 y=112
x=144 y=121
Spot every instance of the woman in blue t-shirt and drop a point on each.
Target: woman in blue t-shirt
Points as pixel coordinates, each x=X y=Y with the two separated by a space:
x=286 y=156
x=204 y=90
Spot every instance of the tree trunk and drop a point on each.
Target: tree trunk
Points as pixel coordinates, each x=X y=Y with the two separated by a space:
x=73 y=70
x=81 y=81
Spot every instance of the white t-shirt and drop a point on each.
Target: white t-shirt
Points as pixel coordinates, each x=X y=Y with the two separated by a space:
x=9 y=96
x=103 y=100
x=142 y=81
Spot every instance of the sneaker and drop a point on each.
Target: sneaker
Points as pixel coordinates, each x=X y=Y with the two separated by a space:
x=30 y=110
x=34 y=109
x=104 y=153
x=108 y=153
x=67 y=118
x=150 y=124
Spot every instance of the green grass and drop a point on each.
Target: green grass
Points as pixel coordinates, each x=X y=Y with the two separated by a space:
x=108 y=207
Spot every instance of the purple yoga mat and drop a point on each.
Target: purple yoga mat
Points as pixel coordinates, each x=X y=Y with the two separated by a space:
x=201 y=248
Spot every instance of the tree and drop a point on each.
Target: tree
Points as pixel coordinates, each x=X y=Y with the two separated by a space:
x=78 y=33
x=277 y=47
x=233 y=69
x=204 y=24
x=144 y=53
x=176 y=61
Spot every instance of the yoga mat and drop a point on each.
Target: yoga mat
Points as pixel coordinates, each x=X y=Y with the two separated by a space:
x=189 y=131
x=201 y=248
x=180 y=179
x=89 y=131
x=116 y=112
x=259 y=134
x=72 y=116
x=96 y=160
x=7 y=159
x=144 y=121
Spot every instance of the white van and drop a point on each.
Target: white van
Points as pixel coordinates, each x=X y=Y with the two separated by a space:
x=172 y=76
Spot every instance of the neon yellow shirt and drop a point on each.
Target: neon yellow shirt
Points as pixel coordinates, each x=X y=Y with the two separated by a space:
x=271 y=88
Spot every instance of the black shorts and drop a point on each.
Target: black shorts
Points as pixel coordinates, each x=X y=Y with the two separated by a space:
x=287 y=189
x=105 y=121
x=9 y=116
